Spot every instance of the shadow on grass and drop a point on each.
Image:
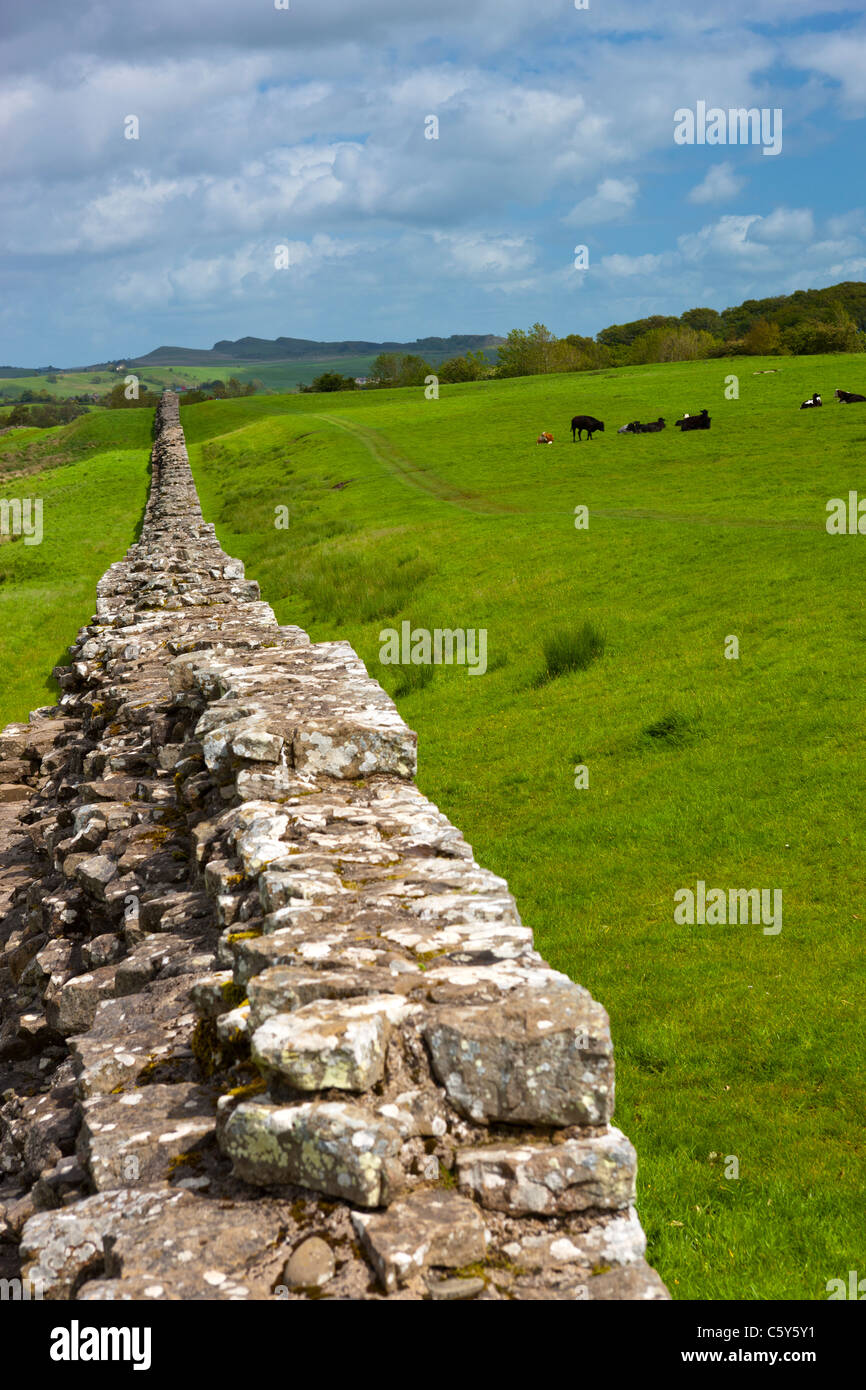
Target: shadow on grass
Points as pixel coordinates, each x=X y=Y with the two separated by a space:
x=673 y=730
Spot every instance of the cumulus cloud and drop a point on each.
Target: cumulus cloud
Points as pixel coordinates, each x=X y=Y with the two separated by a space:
x=718 y=185
x=307 y=127
x=840 y=57
x=488 y=257
x=612 y=199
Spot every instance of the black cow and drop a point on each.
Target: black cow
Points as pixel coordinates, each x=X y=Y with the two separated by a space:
x=813 y=400
x=847 y=397
x=694 y=422
x=635 y=427
x=585 y=422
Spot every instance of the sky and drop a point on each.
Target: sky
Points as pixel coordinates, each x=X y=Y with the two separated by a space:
x=307 y=128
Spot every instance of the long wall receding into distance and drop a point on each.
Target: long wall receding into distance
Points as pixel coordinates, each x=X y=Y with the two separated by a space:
x=268 y=1030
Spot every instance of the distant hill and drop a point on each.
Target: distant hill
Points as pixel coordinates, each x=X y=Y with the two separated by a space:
x=299 y=349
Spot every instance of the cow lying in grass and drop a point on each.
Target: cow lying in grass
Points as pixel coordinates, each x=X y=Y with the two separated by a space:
x=847 y=397
x=694 y=422
x=585 y=422
x=544 y=438
x=812 y=401
x=637 y=428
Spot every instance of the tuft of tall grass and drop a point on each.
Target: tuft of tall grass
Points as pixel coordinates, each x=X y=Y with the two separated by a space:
x=572 y=649
x=413 y=678
x=674 y=729
x=358 y=586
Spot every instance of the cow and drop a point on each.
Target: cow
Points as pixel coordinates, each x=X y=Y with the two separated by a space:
x=847 y=397
x=635 y=427
x=544 y=438
x=813 y=400
x=694 y=422
x=585 y=422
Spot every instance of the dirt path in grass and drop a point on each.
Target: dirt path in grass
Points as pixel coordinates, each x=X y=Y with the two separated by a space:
x=411 y=473
x=408 y=471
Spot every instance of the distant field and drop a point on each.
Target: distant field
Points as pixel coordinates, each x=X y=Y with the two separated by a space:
x=276 y=376
x=742 y=773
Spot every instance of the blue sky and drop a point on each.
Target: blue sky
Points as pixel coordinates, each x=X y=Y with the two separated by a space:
x=305 y=127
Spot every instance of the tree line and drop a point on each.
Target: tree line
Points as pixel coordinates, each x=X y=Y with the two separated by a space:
x=805 y=322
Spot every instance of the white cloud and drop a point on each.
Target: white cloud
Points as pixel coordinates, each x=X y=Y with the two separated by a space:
x=612 y=199
x=489 y=256
x=841 y=57
x=307 y=127
x=719 y=184
x=621 y=265
x=785 y=225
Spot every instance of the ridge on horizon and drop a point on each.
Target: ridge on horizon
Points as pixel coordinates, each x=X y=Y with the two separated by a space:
x=253 y=349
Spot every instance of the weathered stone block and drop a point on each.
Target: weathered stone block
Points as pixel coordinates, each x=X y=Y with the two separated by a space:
x=431 y=1228
x=542 y=1056
x=133 y=1137
x=331 y=1042
x=335 y=1148
x=549 y=1180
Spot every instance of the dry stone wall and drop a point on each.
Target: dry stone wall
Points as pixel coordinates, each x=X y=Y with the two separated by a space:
x=268 y=1028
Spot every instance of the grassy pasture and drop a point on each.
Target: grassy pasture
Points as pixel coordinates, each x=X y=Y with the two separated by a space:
x=276 y=376
x=742 y=773
x=92 y=478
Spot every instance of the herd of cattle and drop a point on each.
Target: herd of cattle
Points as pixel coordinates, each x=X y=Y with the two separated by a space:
x=590 y=424
x=843 y=397
x=701 y=421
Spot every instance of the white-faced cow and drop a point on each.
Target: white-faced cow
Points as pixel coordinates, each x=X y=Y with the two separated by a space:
x=694 y=422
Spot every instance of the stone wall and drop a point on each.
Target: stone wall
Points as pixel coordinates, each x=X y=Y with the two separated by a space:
x=268 y=1029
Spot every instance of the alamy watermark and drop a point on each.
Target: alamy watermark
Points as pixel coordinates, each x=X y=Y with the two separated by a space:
x=856 y=1288
x=22 y=516
x=845 y=519
x=737 y=126
x=443 y=646
x=21 y=1290
x=731 y=907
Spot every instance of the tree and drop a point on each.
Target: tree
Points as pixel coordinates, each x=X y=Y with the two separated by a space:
x=412 y=370
x=385 y=368
x=589 y=355
x=472 y=366
x=116 y=399
x=764 y=339
x=703 y=320
x=527 y=352
x=675 y=344
x=811 y=337
x=623 y=334
x=333 y=381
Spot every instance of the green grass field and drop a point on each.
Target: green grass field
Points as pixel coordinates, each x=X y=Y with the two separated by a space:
x=743 y=773
x=92 y=479
x=275 y=376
